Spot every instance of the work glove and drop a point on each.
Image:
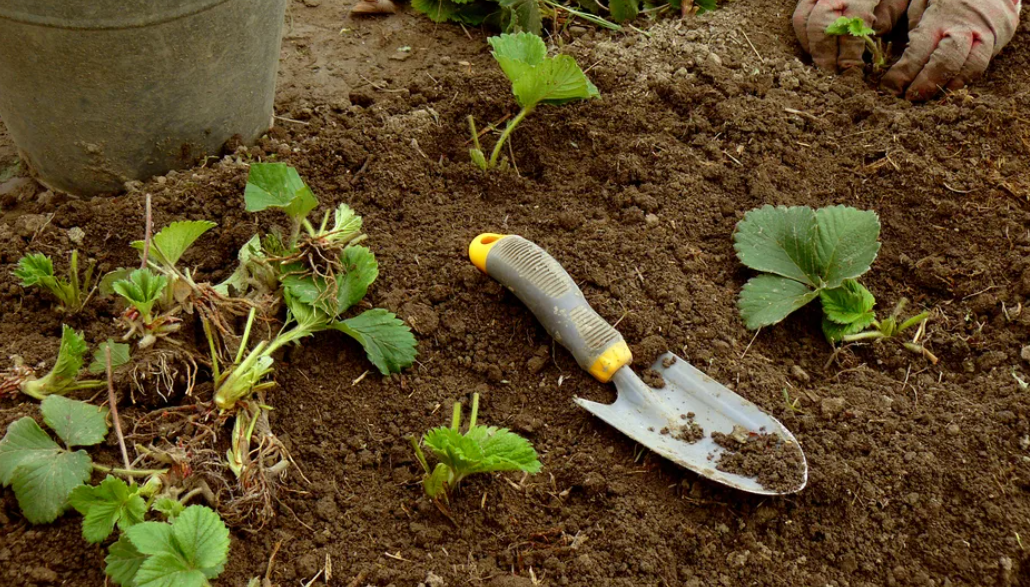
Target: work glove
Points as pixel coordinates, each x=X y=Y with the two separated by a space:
x=836 y=52
x=950 y=43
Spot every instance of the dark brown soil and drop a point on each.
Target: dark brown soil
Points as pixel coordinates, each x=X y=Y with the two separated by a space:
x=919 y=473
x=776 y=464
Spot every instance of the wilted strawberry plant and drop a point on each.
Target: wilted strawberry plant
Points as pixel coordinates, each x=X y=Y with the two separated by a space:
x=535 y=79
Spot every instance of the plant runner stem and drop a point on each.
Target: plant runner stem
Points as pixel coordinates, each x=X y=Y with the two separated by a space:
x=128 y=472
x=507 y=132
x=112 y=401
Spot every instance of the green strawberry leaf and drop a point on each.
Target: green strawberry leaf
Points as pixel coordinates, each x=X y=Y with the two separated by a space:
x=106 y=285
x=780 y=241
x=123 y=562
x=112 y=502
x=41 y=473
x=504 y=450
x=387 y=340
x=362 y=270
x=556 y=81
x=768 y=299
x=168 y=245
x=142 y=289
x=521 y=16
x=169 y=508
x=184 y=553
x=849 y=303
x=835 y=332
x=624 y=10
x=436 y=483
x=471 y=12
x=277 y=185
x=849 y=26
x=120 y=355
x=76 y=423
x=345 y=222
x=847 y=243
x=33 y=268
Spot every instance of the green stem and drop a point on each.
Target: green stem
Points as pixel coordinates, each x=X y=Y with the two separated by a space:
x=211 y=345
x=475 y=411
x=870 y=335
x=878 y=58
x=128 y=472
x=73 y=278
x=913 y=321
x=246 y=336
x=475 y=133
x=507 y=132
x=421 y=456
x=456 y=416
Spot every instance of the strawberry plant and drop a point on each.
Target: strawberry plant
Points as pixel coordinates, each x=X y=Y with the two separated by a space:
x=481 y=449
x=323 y=272
x=61 y=379
x=856 y=27
x=73 y=292
x=804 y=254
x=535 y=79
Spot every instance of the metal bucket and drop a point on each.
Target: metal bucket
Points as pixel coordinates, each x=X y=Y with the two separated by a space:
x=99 y=92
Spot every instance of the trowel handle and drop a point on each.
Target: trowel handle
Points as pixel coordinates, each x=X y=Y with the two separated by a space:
x=556 y=301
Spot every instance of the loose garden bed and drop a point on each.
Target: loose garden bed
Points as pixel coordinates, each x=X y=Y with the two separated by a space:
x=919 y=472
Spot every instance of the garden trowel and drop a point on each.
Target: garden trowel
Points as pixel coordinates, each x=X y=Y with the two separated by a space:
x=676 y=420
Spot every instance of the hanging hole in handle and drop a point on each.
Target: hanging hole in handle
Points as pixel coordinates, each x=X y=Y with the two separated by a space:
x=480 y=248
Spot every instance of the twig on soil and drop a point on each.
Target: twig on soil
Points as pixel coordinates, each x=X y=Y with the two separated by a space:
x=112 y=401
x=293 y=120
x=271 y=560
x=746 y=38
x=743 y=354
x=147 y=234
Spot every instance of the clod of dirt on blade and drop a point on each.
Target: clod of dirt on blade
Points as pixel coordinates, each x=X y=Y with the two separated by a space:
x=664 y=417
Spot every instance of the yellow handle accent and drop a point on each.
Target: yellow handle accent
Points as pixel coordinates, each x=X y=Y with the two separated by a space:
x=610 y=361
x=480 y=248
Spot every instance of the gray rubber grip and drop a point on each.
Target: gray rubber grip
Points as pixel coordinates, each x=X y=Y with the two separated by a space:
x=547 y=289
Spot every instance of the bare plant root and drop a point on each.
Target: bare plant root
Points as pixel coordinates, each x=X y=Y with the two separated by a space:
x=12 y=378
x=161 y=369
x=320 y=257
x=261 y=475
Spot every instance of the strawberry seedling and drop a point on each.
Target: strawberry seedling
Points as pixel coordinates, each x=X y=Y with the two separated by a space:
x=61 y=379
x=38 y=270
x=804 y=254
x=856 y=27
x=535 y=79
x=481 y=449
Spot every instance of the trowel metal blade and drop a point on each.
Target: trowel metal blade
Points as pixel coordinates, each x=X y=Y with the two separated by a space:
x=642 y=412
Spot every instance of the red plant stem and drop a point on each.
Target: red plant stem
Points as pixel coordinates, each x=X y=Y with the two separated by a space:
x=146 y=238
x=113 y=403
